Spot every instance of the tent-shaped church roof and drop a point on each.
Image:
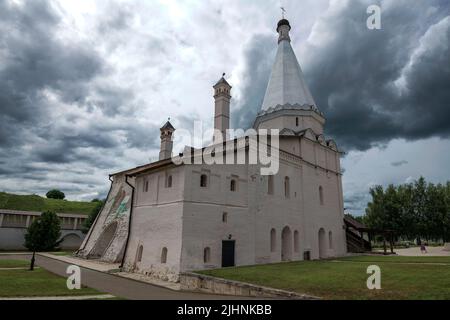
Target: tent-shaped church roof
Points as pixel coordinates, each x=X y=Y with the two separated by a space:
x=287 y=85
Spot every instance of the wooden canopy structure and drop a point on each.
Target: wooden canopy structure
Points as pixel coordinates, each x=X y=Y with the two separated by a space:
x=356 y=242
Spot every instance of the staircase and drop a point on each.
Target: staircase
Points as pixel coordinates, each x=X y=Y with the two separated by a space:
x=354 y=230
x=355 y=244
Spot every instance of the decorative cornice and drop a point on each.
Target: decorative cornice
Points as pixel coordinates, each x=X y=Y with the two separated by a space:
x=289 y=106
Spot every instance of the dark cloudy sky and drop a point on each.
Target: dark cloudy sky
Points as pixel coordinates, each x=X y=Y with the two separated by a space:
x=85 y=85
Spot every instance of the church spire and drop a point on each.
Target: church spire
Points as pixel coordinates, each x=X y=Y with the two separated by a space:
x=286 y=84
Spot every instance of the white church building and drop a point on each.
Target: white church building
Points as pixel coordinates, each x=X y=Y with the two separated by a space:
x=162 y=219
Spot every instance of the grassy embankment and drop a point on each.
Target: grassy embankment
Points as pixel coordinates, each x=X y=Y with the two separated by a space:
x=40 y=204
x=401 y=277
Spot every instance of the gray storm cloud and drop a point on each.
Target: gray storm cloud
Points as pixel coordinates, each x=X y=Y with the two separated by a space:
x=67 y=103
x=372 y=85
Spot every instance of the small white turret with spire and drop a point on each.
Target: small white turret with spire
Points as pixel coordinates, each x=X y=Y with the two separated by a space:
x=222 y=98
x=167 y=131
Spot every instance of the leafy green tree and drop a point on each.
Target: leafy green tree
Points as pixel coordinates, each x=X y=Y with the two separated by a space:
x=375 y=213
x=419 y=200
x=407 y=228
x=92 y=216
x=55 y=194
x=414 y=211
x=437 y=212
x=43 y=234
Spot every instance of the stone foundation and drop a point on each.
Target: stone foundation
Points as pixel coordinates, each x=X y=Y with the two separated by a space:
x=160 y=273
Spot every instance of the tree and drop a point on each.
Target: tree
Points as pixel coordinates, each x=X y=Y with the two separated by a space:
x=419 y=210
x=407 y=225
x=92 y=216
x=375 y=213
x=55 y=194
x=419 y=200
x=43 y=234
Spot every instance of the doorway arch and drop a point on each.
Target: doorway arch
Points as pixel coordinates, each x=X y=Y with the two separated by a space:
x=286 y=244
x=322 y=244
x=71 y=241
x=104 y=241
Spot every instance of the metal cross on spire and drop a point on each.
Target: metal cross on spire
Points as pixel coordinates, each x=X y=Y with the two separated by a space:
x=283 y=11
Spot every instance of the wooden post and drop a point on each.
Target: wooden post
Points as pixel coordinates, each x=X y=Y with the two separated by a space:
x=362 y=241
x=392 y=243
x=32 y=261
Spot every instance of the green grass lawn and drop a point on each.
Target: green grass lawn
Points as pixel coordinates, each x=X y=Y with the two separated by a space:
x=401 y=277
x=24 y=283
x=14 y=263
x=398 y=259
x=40 y=204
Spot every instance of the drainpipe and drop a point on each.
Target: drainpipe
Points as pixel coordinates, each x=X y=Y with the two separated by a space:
x=96 y=218
x=129 y=221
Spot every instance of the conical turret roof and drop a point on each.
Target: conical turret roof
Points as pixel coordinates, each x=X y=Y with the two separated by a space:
x=167 y=126
x=287 y=85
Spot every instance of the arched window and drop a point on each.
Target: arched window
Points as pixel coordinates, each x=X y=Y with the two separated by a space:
x=270 y=187
x=225 y=217
x=233 y=185
x=296 y=241
x=169 y=182
x=145 y=189
x=287 y=187
x=273 y=240
x=206 y=255
x=321 y=195
x=164 y=255
x=139 y=255
x=296 y=121
x=330 y=239
x=203 y=181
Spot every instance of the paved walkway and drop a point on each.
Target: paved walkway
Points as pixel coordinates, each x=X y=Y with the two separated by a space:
x=92 y=297
x=90 y=264
x=415 y=252
x=116 y=285
x=113 y=268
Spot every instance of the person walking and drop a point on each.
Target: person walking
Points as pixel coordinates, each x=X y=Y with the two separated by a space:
x=423 y=249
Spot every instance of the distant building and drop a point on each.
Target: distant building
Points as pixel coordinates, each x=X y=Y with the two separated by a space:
x=161 y=219
x=14 y=224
